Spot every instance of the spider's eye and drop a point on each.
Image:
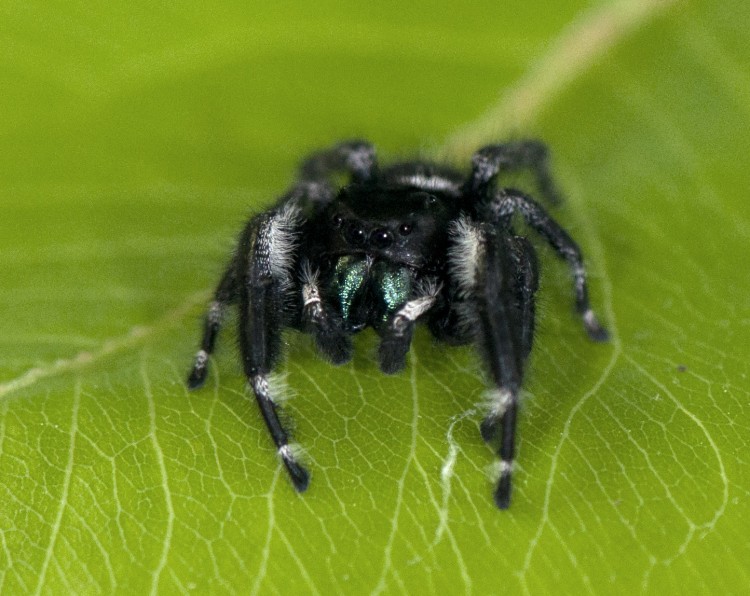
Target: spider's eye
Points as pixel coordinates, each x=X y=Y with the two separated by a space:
x=337 y=220
x=429 y=201
x=381 y=238
x=355 y=235
x=405 y=229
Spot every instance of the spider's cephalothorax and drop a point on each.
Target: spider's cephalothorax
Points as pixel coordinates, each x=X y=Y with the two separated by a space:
x=408 y=242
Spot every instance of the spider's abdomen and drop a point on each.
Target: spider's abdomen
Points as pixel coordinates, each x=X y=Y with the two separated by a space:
x=368 y=291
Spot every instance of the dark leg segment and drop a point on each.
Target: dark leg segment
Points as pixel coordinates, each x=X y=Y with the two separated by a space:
x=269 y=410
x=261 y=320
x=355 y=157
x=493 y=160
x=527 y=283
x=508 y=202
x=226 y=294
x=500 y=332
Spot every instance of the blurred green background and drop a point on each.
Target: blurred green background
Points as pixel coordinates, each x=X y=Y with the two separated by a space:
x=135 y=138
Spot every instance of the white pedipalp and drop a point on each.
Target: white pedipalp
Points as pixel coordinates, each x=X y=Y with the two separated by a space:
x=414 y=309
x=310 y=289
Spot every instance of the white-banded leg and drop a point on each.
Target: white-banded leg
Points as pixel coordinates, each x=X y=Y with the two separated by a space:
x=397 y=334
x=225 y=295
x=266 y=258
x=322 y=321
x=485 y=271
x=500 y=339
x=493 y=160
x=269 y=409
x=354 y=157
x=496 y=404
x=507 y=202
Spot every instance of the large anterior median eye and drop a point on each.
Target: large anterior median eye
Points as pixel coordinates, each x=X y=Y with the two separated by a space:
x=381 y=238
x=355 y=234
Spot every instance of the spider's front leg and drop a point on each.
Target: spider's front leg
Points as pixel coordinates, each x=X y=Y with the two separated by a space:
x=265 y=262
x=496 y=274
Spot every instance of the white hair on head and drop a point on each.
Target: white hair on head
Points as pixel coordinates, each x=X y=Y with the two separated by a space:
x=429 y=182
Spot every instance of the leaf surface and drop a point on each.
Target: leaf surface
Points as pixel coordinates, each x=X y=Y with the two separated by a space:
x=137 y=138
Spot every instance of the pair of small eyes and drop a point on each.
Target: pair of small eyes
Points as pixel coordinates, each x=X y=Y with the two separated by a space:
x=381 y=237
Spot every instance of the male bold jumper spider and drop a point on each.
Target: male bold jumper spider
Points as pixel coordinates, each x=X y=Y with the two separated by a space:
x=413 y=240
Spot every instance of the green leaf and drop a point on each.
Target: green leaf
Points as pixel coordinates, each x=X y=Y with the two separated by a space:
x=134 y=140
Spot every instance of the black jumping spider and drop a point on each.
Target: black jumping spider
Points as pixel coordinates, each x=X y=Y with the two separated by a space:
x=411 y=241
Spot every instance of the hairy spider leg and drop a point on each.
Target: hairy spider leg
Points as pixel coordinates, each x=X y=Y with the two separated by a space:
x=265 y=261
x=505 y=203
x=225 y=295
x=397 y=334
x=483 y=266
x=499 y=334
x=355 y=157
x=527 y=283
x=493 y=160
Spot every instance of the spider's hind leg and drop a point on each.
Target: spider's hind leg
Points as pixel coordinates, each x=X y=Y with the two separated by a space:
x=505 y=203
x=226 y=294
x=354 y=157
x=493 y=160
